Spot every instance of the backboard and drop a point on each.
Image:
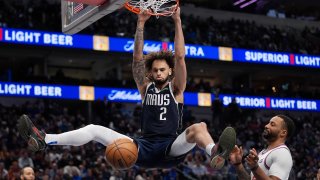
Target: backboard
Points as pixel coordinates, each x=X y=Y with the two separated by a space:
x=77 y=16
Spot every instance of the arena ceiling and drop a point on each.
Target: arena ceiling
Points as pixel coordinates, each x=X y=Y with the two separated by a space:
x=261 y=6
x=293 y=4
x=274 y=3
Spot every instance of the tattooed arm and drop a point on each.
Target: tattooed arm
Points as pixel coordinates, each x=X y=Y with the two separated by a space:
x=138 y=69
x=180 y=80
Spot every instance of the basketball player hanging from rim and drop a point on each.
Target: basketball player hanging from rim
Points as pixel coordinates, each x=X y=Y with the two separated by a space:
x=161 y=80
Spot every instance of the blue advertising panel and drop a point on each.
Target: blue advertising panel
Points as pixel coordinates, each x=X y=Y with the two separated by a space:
x=193 y=51
x=244 y=101
x=265 y=57
x=305 y=60
x=39 y=90
x=133 y=95
x=191 y=99
x=42 y=38
x=90 y=93
x=262 y=57
x=196 y=51
x=104 y=43
x=117 y=94
x=272 y=103
x=126 y=45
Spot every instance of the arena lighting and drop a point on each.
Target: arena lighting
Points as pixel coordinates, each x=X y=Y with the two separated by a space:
x=248 y=3
x=238 y=2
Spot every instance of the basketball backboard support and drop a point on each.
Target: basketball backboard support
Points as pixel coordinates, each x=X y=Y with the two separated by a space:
x=77 y=16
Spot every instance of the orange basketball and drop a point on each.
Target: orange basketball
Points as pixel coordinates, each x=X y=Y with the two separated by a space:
x=122 y=153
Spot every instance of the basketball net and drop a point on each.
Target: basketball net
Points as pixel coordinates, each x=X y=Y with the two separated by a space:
x=153 y=7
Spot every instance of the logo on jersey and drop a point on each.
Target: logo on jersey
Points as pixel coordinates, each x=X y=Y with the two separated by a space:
x=158 y=99
x=156 y=91
x=152 y=90
x=164 y=89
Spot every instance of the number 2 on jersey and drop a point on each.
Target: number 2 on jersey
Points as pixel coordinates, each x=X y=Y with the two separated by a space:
x=163 y=113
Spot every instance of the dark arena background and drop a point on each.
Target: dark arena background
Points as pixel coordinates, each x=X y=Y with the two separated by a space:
x=247 y=60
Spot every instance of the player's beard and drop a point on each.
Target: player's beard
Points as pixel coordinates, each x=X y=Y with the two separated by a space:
x=27 y=178
x=270 y=136
x=161 y=81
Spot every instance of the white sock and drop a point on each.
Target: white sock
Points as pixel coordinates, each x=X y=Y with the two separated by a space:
x=84 y=135
x=180 y=146
x=209 y=148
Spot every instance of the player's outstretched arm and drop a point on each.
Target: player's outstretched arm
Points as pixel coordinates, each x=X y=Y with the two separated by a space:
x=236 y=160
x=180 y=79
x=138 y=69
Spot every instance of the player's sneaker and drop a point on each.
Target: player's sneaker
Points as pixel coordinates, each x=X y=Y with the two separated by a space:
x=222 y=149
x=31 y=134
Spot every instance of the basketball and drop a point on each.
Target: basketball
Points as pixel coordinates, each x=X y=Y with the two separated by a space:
x=122 y=153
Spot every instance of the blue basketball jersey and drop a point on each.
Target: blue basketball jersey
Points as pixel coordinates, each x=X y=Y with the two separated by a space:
x=161 y=113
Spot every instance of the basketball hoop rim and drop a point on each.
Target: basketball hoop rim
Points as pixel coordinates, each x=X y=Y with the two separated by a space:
x=137 y=10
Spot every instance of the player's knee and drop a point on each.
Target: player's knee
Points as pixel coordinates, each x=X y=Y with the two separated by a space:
x=90 y=127
x=198 y=127
x=203 y=125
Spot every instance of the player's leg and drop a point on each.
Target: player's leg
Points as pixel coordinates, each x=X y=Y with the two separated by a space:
x=38 y=140
x=197 y=134
x=84 y=135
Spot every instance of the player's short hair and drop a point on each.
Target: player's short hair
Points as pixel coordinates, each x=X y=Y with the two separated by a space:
x=166 y=55
x=288 y=125
x=22 y=169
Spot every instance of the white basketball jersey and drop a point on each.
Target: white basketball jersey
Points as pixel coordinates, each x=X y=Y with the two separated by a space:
x=276 y=162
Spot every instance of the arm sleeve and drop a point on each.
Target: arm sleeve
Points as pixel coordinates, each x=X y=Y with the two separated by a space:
x=281 y=163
